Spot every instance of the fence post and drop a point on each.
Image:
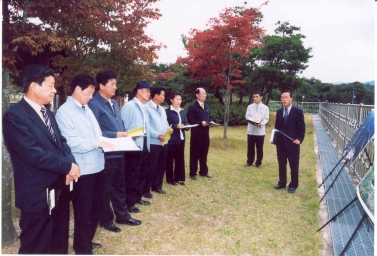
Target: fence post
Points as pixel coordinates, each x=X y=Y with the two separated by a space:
x=339 y=105
x=346 y=124
x=360 y=116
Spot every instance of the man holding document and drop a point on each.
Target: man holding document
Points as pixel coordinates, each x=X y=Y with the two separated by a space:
x=159 y=149
x=199 y=113
x=80 y=127
x=291 y=126
x=107 y=112
x=257 y=115
x=40 y=157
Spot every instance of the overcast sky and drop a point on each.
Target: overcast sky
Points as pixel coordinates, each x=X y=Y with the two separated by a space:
x=340 y=32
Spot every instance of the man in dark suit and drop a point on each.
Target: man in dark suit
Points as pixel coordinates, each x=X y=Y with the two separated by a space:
x=40 y=157
x=199 y=113
x=290 y=122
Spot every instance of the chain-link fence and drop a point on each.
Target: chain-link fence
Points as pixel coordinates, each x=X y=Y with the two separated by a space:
x=342 y=121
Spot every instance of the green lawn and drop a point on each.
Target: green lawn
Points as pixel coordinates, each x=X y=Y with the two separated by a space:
x=236 y=212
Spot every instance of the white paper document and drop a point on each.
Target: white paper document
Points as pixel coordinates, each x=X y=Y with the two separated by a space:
x=213 y=123
x=189 y=126
x=51 y=200
x=120 y=144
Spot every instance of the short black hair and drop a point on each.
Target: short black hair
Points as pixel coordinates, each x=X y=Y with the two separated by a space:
x=84 y=81
x=197 y=91
x=172 y=96
x=156 y=90
x=104 y=77
x=35 y=73
x=288 y=91
x=258 y=92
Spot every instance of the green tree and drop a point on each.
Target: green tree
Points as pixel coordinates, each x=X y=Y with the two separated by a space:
x=278 y=62
x=107 y=35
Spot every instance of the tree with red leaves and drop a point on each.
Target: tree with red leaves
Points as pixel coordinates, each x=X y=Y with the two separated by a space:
x=71 y=37
x=212 y=53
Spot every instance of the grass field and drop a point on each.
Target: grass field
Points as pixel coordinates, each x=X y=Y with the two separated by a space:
x=236 y=212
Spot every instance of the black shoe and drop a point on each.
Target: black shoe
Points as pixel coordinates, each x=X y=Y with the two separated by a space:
x=96 y=245
x=207 y=175
x=247 y=165
x=291 y=190
x=148 y=195
x=131 y=222
x=173 y=183
x=112 y=228
x=133 y=209
x=278 y=186
x=158 y=190
x=193 y=177
x=144 y=202
x=181 y=182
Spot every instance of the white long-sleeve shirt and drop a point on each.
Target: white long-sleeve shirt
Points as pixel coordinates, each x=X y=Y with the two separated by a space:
x=262 y=115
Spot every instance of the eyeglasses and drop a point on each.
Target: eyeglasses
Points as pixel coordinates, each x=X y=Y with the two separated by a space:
x=87 y=92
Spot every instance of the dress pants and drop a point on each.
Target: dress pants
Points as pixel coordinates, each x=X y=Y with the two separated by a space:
x=255 y=141
x=87 y=210
x=199 y=146
x=136 y=171
x=175 y=162
x=293 y=157
x=114 y=190
x=44 y=234
x=157 y=164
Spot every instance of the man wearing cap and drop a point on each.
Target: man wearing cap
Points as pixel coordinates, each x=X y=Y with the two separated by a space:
x=134 y=115
x=107 y=112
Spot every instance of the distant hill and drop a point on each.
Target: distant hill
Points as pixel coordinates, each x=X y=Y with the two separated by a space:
x=369 y=83
x=365 y=83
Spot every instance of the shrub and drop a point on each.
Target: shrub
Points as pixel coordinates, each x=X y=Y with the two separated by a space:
x=236 y=112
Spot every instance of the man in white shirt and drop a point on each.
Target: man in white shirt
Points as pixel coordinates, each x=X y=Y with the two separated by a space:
x=257 y=115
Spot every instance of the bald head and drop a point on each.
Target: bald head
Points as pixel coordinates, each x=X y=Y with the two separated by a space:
x=200 y=94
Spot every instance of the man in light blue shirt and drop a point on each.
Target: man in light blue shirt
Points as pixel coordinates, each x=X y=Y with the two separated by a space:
x=135 y=116
x=157 y=156
x=80 y=127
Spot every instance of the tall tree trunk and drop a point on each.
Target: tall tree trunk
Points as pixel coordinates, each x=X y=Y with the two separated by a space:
x=218 y=95
x=8 y=232
x=241 y=98
x=226 y=111
x=269 y=90
x=250 y=99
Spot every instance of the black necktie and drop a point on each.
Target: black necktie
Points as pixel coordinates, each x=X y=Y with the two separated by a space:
x=48 y=122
